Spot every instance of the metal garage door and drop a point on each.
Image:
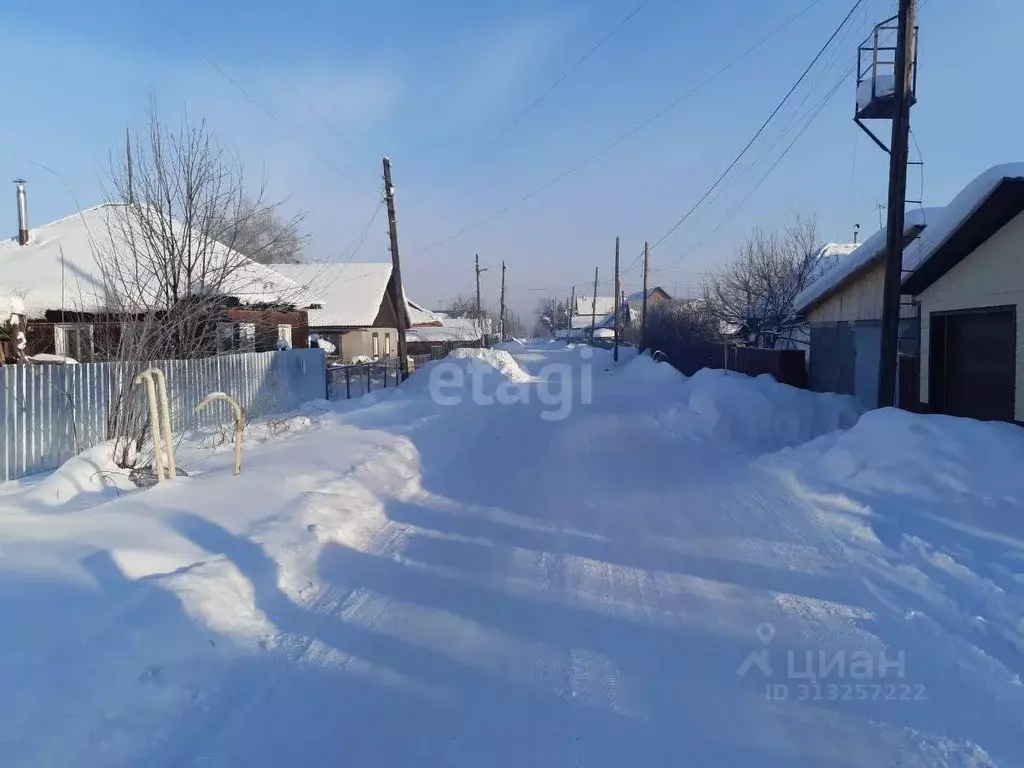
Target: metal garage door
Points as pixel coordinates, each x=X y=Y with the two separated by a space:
x=973 y=363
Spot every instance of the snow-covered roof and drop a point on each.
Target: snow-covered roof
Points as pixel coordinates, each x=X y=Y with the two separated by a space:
x=637 y=297
x=451 y=329
x=58 y=268
x=948 y=220
x=871 y=249
x=931 y=227
x=350 y=293
x=10 y=305
x=585 y=305
x=420 y=315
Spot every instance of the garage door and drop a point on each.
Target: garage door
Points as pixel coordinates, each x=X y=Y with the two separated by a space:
x=974 y=362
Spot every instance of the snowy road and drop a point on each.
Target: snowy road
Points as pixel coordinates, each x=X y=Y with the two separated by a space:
x=481 y=585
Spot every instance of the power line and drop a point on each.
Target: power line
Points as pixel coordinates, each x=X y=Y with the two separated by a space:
x=621 y=137
x=502 y=132
x=759 y=131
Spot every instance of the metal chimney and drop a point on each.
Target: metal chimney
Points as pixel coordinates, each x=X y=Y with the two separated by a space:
x=22 y=213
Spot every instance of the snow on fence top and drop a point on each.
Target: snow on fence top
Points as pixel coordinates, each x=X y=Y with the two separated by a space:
x=931 y=227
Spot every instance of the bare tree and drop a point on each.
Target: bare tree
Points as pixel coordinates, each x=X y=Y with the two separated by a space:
x=757 y=288
x=465 y=306
x=514 y=325
x=259 y=232
x=673 y=324
x=168 y=257
x=550 y=315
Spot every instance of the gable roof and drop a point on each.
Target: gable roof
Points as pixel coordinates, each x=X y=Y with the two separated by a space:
x=980 y=210
x=350 y=294
x=58 y=269
x=859 y=260
x=450 y=329
x=585 y=305
x=944 y=235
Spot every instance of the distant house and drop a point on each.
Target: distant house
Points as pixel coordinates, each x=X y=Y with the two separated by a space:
x=963 y=290
x=354 y=311
x=631 y=311
x=68 y=305
x=587 y=312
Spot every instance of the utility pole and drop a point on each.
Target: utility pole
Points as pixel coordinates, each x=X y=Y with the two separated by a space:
x=568 y=322
x=479 y=314
x=397 y=294
x=643 y=320
x=501 y=311
x=618 y=307
x=896 y=206
x=593 y=308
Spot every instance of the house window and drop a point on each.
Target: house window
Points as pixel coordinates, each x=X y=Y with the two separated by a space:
x=387 y=345
x=375 y=349
x=236 y=337
x=73 y=340
x=225 y=337
x=284 y=334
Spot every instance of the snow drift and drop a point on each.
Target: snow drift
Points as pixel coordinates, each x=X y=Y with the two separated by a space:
x=751 y=414
x=934 y=507
x=498 y=359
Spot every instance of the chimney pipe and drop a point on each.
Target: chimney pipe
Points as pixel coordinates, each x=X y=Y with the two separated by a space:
x=22 y=213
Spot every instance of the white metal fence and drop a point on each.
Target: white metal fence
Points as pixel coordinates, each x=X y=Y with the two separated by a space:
x=52 y=412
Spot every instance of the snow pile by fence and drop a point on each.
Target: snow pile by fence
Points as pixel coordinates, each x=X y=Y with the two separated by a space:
x=926 y=459
x=757 y=414
x=643 y=373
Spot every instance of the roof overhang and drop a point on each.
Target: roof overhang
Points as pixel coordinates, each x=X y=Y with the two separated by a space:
x=909 y=236
x=1004 y=203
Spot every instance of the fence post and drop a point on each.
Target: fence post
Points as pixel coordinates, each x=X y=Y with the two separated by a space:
x=348 y=383
x=369 y=379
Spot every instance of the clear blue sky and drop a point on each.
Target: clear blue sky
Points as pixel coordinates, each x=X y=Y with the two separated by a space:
x=431 y=83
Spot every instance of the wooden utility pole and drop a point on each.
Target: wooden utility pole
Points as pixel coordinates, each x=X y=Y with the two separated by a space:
x=501 y=304
x=897 y=205
x=571 y=311
x=479 y=311
x=397 y=294
x=593 y=308
x=643 y=319
x=618 y=307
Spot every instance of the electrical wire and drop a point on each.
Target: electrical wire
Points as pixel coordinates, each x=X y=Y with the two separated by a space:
x=502 y=132
x=759 y=131
x=621 y=137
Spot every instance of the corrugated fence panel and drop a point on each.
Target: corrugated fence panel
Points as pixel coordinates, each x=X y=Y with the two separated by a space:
x=52 y=412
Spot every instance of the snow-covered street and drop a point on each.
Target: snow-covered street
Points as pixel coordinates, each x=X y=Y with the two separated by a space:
x=695 y=572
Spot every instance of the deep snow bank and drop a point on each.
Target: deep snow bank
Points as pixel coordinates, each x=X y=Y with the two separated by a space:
x=498 y=359
x=936 y=459
x=933 y=506
x=755 y=414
